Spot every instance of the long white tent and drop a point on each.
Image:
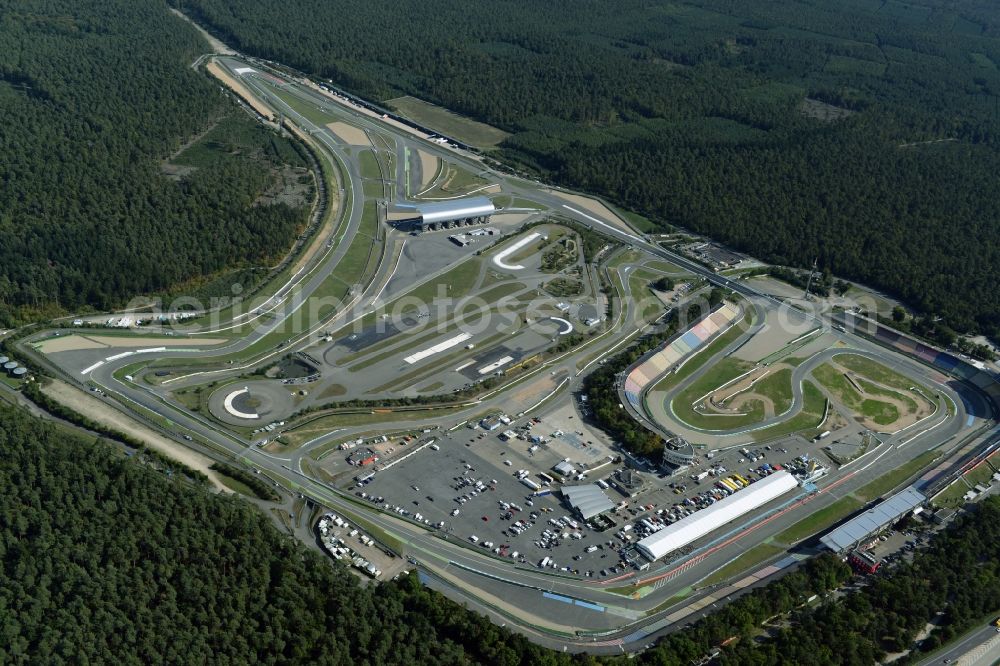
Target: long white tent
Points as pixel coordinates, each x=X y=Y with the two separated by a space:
x=698 y=524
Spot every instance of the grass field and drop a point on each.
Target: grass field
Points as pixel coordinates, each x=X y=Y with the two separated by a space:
x=310 y=111
x=448 y=123
x=454 y=181
x=301 y=434
x=887 y=482
x=369 y=165
x=755 y=555
x=778 y=387
x=809 y=418
x=725 y=370
x=953 y=496
x=508 y=201
x=882 y=413
x=877 y=372
x=872 y=389
x=665 y=267
x=819 y=520
x=647 y=305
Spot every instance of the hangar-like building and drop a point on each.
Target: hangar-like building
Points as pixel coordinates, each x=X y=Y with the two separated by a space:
x=588 y=500
x=700 y=523
x=433 y=215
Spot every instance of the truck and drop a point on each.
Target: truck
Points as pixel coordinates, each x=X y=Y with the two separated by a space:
x=531 y=484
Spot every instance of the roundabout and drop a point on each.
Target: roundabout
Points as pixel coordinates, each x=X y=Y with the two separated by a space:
x=251 y=404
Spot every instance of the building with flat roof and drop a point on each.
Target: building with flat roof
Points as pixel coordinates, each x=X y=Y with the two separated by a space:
x=704 y=522
x=588 y=500
x=563 y=468
x=433 y=215
x=872 y=521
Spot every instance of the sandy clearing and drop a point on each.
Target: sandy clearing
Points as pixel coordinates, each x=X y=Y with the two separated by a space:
x=218 y=72
x=95 y=409
x=597 y=208
x=216 y=45
x=428 y=168
x=349 y=134
x=68 y=343
x=124 y=341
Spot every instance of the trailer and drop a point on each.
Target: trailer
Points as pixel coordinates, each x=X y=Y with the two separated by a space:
x=531 y=484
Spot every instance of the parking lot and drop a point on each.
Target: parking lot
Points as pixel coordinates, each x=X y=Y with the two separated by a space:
x=466 y=483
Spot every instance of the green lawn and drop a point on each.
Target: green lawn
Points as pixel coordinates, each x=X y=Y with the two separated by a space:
x=648 y=306
x=464 y=129
x=235 y=485
x=778 y=387
x=458 y=281
x=725 y=370
x=311 y=110
x=882 y=413
x=304 y=433
x=887 y=482
x=507 y=201
x=872 y=389
x=665 y=267
x=819 y=520
x=752 y=557
x=813 y=407
x=877 y=372
x=369 y=165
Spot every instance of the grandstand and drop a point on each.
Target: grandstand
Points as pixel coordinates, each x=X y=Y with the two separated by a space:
x=644 y=374
x=983 y=380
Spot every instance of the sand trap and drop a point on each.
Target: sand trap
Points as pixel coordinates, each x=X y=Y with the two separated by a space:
x=428 y=168
x=67 y=343
x=218 y=72
x=349 y=134
x=595 y=207
x=99 y=411
x=124 y=341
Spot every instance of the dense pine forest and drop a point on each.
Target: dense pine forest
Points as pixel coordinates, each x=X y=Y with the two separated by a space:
x=104 y=559
x=98 y=100
x=862 y=133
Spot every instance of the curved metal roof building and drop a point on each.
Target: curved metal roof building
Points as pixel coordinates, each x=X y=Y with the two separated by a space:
x=436 y=212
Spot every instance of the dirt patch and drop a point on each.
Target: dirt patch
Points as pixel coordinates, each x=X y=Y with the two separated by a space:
x=216 y=45
x=293 y=186
x=97 y=410
x=349 y=134
x=823 y=112
x=910 y=406
x=68 y=343
x=218 y=72
x=428 y=168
